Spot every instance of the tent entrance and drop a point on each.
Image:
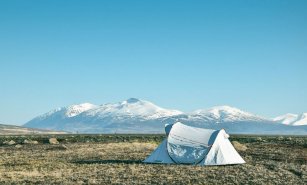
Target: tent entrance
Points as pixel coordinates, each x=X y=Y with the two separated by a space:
x=186 y=151
x=186 y=154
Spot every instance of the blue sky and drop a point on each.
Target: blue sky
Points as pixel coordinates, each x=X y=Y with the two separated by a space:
x=186 y=55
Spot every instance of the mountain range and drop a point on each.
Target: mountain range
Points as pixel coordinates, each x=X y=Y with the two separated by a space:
x=140 y=116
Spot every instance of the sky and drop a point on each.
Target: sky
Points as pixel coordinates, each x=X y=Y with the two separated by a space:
x=184 y=55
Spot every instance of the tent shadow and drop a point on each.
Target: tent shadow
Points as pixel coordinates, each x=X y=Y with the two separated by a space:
x=107 y=161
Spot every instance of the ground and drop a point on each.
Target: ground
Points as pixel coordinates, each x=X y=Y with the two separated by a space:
x=117 y=159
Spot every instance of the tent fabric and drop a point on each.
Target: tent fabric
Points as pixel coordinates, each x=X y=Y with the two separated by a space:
x=191 y=145
x=222 y=152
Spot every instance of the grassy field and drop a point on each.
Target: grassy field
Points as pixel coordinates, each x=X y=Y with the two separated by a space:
x=117 y=159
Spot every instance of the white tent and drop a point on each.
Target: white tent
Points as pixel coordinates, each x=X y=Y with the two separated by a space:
x=191 y=145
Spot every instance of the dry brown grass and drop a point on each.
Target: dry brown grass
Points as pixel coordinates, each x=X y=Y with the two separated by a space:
x=121 y=163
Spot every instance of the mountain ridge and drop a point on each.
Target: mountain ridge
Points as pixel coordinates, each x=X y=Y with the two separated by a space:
x=135 y=115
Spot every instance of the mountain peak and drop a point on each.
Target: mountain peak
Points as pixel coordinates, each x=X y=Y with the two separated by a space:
x=220 y=109
x=132 y=107
x=77 y=109
x=226 y=108
x=226 y=113
x=287 y=119
x=292 y=119
x=132 y=100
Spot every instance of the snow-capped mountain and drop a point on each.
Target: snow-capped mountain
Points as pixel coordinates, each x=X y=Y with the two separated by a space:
x=140 y=116
x=90 y=118
x=292 y=119
x=132 y=108
x=224 y=114
x=69 y=111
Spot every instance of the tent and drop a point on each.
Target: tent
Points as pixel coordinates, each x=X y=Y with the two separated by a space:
x=190 y=145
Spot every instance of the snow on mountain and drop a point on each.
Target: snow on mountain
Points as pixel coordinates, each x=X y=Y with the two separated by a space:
x=140 y=116
x=88 y=117
x=69 y=111
x=75 y=110
x=57 y=118
x=286 y=119
x=292 y=119
x=302 y=119
x=225 y=114
x=132 y=108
